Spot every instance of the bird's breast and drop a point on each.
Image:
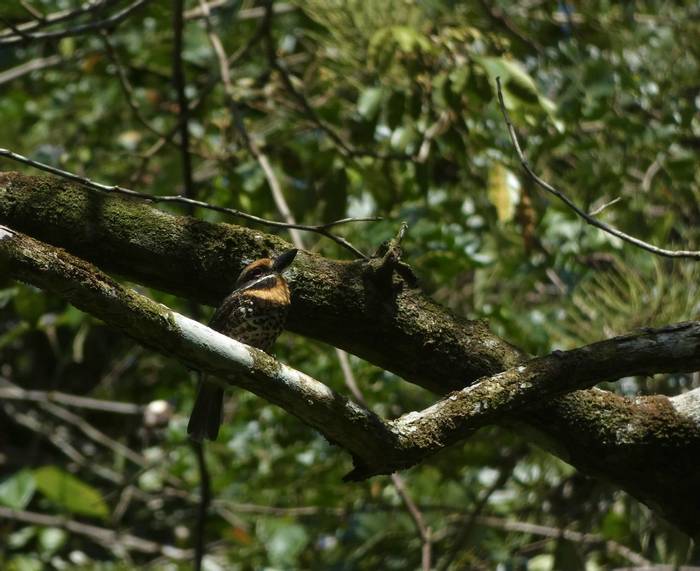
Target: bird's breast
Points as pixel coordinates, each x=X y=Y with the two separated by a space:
x=255 y=320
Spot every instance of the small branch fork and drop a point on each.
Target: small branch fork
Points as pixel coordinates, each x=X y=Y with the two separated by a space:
x=322 y=229
x=589 y=218
x=378 y=446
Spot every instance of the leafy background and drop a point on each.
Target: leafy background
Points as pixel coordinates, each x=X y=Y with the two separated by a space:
x=367 y=108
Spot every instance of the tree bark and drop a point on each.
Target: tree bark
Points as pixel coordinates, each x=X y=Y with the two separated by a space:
x=643 y=445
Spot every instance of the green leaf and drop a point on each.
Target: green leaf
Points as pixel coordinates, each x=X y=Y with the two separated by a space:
x=395 y=109
x=24 y=563
x=519 y=89
x=51 y=539
x=6 y=295
x=69 y=492
x=283 y=540
x=502 y=192
x=17 y=491
x=513 y=77
x=403 y=137
x=368 y=104
x=21 y=537
x=30 y=303
x=543 y=562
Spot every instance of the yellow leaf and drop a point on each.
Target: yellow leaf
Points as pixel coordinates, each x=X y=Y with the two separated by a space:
x=503 y=192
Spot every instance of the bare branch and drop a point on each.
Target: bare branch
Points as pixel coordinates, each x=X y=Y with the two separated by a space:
x=109 y=538
x=570 y=535
x=504 y=473
x=589 y=218
x=58 y=438
x=263 y=161
x=605 y=205
x=30 y=66
x=94 y=434
x=36 y=14
x=16 y=393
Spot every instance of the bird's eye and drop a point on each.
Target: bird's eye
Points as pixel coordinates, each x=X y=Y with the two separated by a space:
x=254 y=273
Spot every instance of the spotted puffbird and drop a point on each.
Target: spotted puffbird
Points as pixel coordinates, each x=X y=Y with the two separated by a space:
x=254 y=314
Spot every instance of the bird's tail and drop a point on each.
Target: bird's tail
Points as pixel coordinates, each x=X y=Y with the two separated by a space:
x=206 y=413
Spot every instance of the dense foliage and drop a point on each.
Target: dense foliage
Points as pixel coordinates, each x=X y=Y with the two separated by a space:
x=364 y=108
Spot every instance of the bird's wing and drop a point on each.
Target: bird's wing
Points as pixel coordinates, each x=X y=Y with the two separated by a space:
x=227 y=314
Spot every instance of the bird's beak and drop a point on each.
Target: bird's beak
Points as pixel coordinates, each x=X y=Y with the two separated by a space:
x=284 y=260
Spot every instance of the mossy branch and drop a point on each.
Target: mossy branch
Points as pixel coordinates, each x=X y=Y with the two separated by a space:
x=377 y=446
x=340 y=303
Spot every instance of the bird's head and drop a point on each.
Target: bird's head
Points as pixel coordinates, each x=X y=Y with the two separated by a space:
x=265 y=273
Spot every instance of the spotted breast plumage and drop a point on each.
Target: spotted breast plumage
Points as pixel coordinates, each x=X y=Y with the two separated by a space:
x=255 y=314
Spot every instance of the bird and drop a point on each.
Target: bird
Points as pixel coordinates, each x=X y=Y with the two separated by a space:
x=254 y=313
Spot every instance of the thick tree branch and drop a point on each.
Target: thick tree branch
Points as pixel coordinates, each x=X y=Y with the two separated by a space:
x=342 y=303
x=190 y=203
x=377 y=446
x=194 y=344
x=388 y=323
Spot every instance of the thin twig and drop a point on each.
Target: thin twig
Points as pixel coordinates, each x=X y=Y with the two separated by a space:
x=203 y=504
x=602 y=207
x=110 y=22
x=14 y=29
x=321 y=229
x=570 y=535
x=30 y=66
x=108 y=538
x=179 y=81
x=504 y=474
x=651 y=172
x=41 y=21
x=17 y=393
x=32 y=10
x=424 y=531
x=499 y=18
x=31 y=421
x=263 y=161
x=94 y=434
x=694 y=254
